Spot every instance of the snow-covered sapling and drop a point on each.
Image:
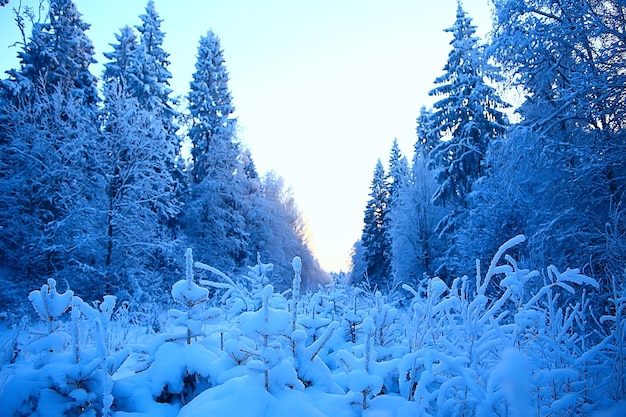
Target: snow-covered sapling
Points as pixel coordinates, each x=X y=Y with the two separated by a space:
x=268 y=328
x=194 y=299
x=310 y=367
x=257 y=274
x=236 y=297
x=353 y=316
x=384 y=317
x=316 y=315
x=296 y=263
x=50 y=304
x=68 y=378
x=365 y=376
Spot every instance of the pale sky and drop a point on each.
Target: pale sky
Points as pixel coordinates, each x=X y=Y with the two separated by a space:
x=321 y=87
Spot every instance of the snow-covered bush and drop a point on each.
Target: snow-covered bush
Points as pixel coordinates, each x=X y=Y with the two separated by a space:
x=50 y=304
x=467 y=335
x=364 y=376
x=507 y=342
x=72 y=365
x=193 y=299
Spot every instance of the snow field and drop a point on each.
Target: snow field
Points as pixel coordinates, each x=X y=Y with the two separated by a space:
x=513 y=342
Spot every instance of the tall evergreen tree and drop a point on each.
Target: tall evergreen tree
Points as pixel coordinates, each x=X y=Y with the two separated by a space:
x=122 y=60
x=397 y=176
x=57 y=57
x=374 y=239
x=214 y=214
x=149 y=76
x=49 y=132
x=427 y=137
x=138 y=82
x=211 y=109
x=466 y=117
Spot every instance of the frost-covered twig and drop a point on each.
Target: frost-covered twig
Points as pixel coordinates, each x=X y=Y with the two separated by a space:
x=493 y=268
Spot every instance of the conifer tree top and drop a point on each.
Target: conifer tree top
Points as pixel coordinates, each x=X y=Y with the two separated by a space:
x=59 y=54
x=466 y=117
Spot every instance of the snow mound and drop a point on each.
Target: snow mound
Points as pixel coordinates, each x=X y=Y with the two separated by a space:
x=246 y=396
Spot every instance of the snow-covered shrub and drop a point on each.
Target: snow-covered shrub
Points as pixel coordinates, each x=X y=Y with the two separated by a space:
x=257 y=274
x=613 y=346
x=193 y=299
x=50 y=304
x=236 y=296
x=72 y=372
x=362 y=375
x=545 y=323
x=268 y=328
x=309 y=365
x=384 y=315
x=508 y=342
x=315 y=315
x=175 y=370
x=177 y=373
x=461 y=336
x=353 y=314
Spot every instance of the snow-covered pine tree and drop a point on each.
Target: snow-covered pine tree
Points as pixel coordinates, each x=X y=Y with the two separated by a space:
x=395 y=179
x=138 y=82
x=466 y=117
x=374 y=238
x=148 y=73
x=397 y=175
x=214 y=220
x=49 y=182
x=122 y=58
x=57 y=56
x=211 y=109
x=148 y=80
x=427 y=137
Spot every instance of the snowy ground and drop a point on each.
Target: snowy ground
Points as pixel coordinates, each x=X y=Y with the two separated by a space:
x=236 y=347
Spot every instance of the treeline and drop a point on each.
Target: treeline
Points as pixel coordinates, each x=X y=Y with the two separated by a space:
x=96 y=192
x=556 y=175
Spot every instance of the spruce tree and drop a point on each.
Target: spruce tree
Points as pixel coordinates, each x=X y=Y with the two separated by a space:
x=214 y=220
x=374 y=238
x=211 y=108
x=50 y=181
x=396 y=178
x=398 y=173
x=122 y=58
x=466 y=117
x=57 y=57
x=427 y=137
x=138 y=82
x=149 y=76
